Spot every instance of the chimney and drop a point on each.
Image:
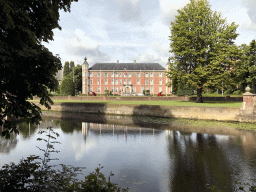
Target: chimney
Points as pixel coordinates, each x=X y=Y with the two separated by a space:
x=134 y=61
x=117 y=61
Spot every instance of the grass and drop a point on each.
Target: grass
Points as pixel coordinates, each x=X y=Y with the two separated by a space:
x=169 y=103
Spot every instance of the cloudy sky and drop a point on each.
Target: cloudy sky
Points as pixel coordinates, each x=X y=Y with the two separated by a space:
x=128 y=30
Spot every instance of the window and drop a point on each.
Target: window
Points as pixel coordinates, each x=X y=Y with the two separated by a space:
x=160 y=89
x=146 y=88
x=134 y=89
x=151 y=81
x=91 y=90
x=130 y=81
x=106 y=74
x=151 y=89
x=124 y=81
x=98 y=82
x=120 y=82
x=90 y=74
x=116 y=75
x=112 y=74
x=146 y=82
x=160 y=81
x=138 y=81
x=141 y=89
x=120 y=74
x=124 y=74
x=146 y=75
x=98 y=89
x=116 y=89
x=98 y=74
x=90 y=81
x=138 y=74
x=129 y=74
x=106 y=88
x=160 y=74
x=83 y=81
x=116 y=83
x=151 y=74
x=112 y=89
x=106 y=81
x=112 y=81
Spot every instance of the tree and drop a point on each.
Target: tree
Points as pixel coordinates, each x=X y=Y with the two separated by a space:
x=78 y=78
x=27 y=67
x=202 y=46
x=66 y=70
x=67 y=86
x=247 y=65
x=71 y=65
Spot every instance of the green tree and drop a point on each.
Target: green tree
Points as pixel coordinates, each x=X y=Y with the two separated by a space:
x=246 y=68
x=78 y=78
x=67 y=86
x=71 y=65
x=27 y=67
x=202 y=46
x=66 y=70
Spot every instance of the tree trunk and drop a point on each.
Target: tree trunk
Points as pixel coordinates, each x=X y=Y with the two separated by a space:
x=199 y=98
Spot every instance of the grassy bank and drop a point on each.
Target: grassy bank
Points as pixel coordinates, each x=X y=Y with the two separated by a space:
x=169 y=103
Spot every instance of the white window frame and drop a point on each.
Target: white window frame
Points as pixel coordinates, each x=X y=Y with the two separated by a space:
x=146 y=81
x=160 y=81
x=98 y=89
x=116 y=81
x=98 y=81
x=146 y=74
x=138 y=74
x=91 y=81
x=106 y=81
x=160 y=75
x=129 y=74
x=160 y=89
x=151 y=81
x=138 y=81
x=151 y=74
x=106 y=74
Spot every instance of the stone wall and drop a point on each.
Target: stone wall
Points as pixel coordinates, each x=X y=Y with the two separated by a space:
x=207 y=113
x=143 y=98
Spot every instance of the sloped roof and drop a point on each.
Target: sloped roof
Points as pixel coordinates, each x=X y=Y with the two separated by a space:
x=127 y=66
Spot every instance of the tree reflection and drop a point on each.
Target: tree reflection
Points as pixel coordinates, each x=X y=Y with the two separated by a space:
x=6 y=145
x=197 y=163
x=26 y=129
x=70 y=126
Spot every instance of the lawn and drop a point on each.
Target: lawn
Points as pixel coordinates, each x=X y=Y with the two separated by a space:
x=177 y=103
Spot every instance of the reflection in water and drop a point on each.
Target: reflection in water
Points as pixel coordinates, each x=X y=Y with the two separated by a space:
x=149 y=159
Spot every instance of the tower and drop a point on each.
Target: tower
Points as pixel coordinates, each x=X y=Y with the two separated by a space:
x=85 y=75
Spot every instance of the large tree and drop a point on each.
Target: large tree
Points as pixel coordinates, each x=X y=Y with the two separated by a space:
x=246 y=68
x=66 y=69
x=27 y=68
x=203 y=48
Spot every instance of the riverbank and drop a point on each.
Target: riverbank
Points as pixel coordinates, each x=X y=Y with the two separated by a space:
x=186 y=112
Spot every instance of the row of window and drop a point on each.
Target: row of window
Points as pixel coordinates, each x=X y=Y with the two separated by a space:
x=121 y=89
x=119 y=82
x=125 y=74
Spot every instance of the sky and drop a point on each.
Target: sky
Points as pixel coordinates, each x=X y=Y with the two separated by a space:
x=105 y=31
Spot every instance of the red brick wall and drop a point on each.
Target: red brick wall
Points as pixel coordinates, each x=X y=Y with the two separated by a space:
x=133 y=79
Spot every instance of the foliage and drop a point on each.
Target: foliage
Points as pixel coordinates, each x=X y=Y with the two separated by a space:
x=66 y=69
x=67 y=86
x=106 y=92
x=32 y=175
x=202 y=46
x=71 y=65
x=246 y=68
x=184 y=89
x=27 y=67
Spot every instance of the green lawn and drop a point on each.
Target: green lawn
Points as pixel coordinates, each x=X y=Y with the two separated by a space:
x=178 y=103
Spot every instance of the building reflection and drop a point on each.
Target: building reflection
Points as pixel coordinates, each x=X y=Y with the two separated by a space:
x=118 y=130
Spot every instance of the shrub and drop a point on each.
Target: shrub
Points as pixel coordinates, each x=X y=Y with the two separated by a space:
x=238 y=92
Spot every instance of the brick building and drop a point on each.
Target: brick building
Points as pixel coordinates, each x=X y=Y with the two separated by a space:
x=123 y=78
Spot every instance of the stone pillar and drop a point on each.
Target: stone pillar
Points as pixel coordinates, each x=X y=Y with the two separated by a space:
x=249 y=101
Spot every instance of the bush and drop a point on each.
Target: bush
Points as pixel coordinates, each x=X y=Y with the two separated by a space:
x=106 y=92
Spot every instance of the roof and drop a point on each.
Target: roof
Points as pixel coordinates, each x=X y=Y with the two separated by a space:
x=127 y=66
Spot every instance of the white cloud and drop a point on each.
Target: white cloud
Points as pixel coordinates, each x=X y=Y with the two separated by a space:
x=82 y=46
x=169 y=9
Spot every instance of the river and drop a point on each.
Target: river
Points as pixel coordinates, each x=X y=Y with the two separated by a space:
x=145 y=154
